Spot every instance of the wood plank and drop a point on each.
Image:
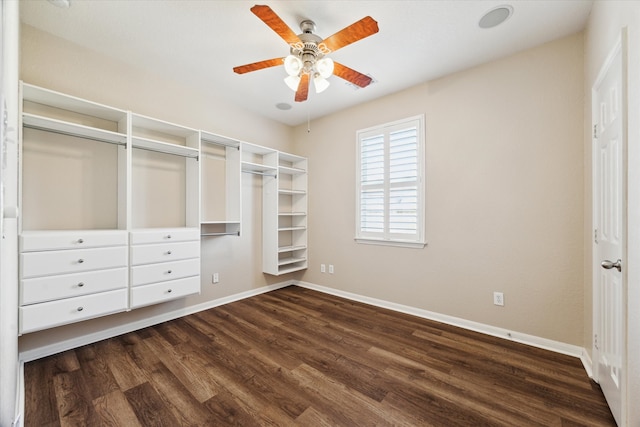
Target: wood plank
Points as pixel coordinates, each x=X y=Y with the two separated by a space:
x=113 y=409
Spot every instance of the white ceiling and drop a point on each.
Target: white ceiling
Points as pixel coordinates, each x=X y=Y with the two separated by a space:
x=199 y=42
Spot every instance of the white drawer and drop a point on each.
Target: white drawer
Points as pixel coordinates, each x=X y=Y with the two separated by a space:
x=34 y=264
x=52 y=240
x=71 y=285
x=152 y=273
x=149 y=254
x=55 y=313
x=164 y=235
x=165 y=291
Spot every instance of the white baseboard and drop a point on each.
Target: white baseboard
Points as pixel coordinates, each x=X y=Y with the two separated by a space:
x=587 y=363
x=58 y=347
x=544 y=343
x=19 y=412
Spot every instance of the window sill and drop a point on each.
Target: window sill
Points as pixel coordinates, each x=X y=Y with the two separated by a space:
x=396 y=243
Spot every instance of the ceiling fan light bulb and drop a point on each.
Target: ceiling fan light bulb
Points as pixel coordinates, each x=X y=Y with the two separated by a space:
x=325 y=67
x=292 y=65
x=292 y=82
x=320 y=84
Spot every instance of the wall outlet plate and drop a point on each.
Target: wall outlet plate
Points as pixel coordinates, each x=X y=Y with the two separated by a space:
x=498 y=298
x=215 y=278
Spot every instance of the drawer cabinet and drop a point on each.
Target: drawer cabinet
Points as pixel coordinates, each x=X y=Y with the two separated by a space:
x=149 y=254
x=47 y=263
x=49 y=288
x=165 y=264
x=68 y=276
x=79 y=239
x=56 y=313
x=145 y=274
x=164 y=291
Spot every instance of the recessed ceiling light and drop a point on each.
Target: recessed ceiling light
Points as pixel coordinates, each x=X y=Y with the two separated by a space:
x=496 y=16
x=283 y=106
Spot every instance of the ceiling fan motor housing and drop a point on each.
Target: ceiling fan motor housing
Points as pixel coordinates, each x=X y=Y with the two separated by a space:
x=310 y=49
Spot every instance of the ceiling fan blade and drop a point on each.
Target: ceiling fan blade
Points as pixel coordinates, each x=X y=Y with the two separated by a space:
x=354 y=32
x=269 y=17
x=303 y=88
x=258 y=65
x=351 y=75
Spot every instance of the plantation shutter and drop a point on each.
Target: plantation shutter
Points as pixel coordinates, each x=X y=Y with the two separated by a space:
x=390 y=191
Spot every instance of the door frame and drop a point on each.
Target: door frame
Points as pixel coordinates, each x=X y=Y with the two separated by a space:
x=620 y=46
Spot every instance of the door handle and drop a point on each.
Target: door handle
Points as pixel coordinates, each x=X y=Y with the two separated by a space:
x=609 y=265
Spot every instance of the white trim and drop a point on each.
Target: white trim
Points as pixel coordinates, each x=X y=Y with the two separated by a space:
x=19 y=414
x=587 y=363
x=396 y=243
x=47 y=350
x=532 y=340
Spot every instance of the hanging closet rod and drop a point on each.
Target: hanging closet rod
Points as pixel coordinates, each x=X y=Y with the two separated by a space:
x=191 y=156
x=77 y=135
x=235 y=233
x=260 y=173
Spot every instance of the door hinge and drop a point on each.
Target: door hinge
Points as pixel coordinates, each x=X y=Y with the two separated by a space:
x=595 y=236
x=595 y=131
x=595 y=341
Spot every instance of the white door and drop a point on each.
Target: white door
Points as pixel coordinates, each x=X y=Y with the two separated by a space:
x=609 y=205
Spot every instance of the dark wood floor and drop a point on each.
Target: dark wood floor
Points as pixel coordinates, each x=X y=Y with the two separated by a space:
x=299 y=357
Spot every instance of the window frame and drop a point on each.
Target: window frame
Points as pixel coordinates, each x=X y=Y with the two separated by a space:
x=416 y=240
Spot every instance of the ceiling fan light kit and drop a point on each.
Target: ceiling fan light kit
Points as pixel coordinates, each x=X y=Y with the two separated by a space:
x=307 y=53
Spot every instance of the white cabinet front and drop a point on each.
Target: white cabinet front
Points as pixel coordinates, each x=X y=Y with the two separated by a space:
x=149 y=254
x=164 y=291
x=145 y=274
x=55 y=313
x=35 y=264
x=50 y=288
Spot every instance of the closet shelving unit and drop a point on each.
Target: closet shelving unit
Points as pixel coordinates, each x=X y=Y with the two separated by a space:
x=285 y=217
x=165 y=235
x=114 y=204
x=73 y=239
x=220 y=191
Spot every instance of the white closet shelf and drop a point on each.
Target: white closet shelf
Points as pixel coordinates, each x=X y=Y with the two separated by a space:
x=164 y=147
x=257 y=167
x=210 y=138
x=142 y=122
x=70 y=103
x=35 y=121
x=219 y=222
x=291 y=228
x=283 y=249
x=291 y=213
x=288 y=261
x=291 y=171
x=290 y=192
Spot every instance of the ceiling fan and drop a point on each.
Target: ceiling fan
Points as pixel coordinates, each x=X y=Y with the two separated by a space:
x=308 y=53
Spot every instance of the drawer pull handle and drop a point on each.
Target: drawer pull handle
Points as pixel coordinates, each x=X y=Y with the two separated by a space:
x=168 y=252
x=168 y=236
x=80 y=241
x=169 y=272
x=81 y=284
x=80 y=308
x=169 y=291
x=80 y=261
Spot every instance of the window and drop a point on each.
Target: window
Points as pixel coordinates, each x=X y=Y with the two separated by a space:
x=390 y=184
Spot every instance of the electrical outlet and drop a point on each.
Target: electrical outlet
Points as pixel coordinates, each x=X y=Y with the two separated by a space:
x=330 y=268
x=323 y=268
x=498 y=298
x=215 y=278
